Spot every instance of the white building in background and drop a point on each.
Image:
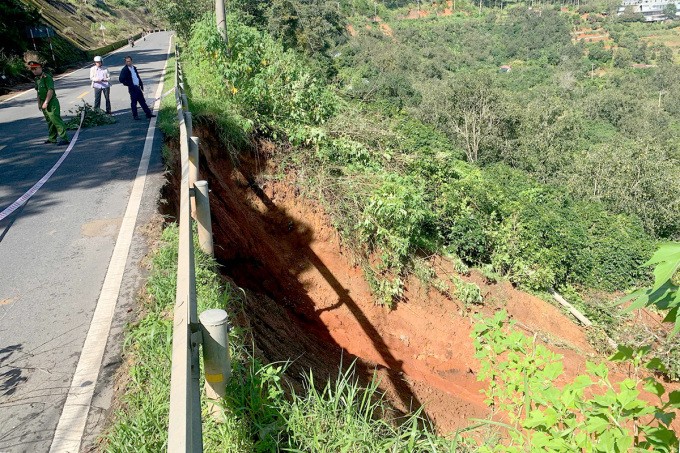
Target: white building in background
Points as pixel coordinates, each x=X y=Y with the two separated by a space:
x=651 y=9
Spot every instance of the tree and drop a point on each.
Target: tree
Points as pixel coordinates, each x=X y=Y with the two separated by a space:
x=467 y=109
x=180 y=14
x=623 y=58
x=664 y=55
x=639 y=53
x=311 y=26
x=670 y=10
x=16 y=17
x=598 y=53
x=629 y=15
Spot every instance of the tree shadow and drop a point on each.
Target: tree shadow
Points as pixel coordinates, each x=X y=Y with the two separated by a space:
x=266 y=251
x=101 y=155
x=12 y=378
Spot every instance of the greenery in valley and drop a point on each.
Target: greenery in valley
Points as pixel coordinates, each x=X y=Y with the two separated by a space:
x=418 y=145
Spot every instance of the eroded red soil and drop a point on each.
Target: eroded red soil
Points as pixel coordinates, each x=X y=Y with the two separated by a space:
x=309 y=303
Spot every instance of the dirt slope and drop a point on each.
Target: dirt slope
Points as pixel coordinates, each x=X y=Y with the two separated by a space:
x=309 y=303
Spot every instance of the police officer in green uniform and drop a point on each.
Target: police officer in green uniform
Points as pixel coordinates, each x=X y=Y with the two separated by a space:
x=49 y=104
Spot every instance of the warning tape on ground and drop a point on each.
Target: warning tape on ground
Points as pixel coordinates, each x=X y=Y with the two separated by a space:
x=27 y=196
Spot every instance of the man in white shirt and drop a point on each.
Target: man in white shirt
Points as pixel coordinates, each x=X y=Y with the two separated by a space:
x=99 y=75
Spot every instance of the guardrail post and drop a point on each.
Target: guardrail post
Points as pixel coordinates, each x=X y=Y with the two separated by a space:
x=203 y=217
x=185 y=100
x=188 y=120
x=193 y=170
x=216 y=360
x=193 y=159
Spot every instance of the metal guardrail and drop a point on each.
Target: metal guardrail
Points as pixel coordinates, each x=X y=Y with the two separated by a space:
x=185 y=429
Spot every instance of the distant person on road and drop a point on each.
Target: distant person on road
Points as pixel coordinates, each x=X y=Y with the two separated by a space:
x=130 y=78
x=48 y=104
x=99 y=75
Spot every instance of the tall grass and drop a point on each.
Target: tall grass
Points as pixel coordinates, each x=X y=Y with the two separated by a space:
x=344 y=416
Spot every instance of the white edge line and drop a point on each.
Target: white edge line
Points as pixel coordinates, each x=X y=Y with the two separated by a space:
x=71 y=426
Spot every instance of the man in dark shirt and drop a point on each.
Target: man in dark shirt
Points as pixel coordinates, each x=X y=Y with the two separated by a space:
x=130 y=78
x=49 y=104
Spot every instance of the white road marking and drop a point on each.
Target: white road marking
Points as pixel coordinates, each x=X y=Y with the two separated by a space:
x=17 y=95
x=69 y=432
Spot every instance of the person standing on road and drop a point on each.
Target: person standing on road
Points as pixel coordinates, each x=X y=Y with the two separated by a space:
x=99 y=75
x=48 y=104
x=130 y=78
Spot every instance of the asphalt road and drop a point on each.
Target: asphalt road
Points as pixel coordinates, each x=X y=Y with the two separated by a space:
x=55 y=250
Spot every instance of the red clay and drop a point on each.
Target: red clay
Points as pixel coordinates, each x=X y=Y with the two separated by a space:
x=308 y=302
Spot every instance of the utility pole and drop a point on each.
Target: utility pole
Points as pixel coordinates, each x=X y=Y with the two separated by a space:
x=221 y=20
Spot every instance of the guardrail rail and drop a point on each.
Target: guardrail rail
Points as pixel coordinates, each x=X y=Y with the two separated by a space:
x=190 y=331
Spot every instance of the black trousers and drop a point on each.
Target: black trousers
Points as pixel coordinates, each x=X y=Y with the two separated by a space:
x=98 y=98
x=137 y=96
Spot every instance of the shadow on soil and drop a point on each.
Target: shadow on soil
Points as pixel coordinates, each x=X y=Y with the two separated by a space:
x=265 y=251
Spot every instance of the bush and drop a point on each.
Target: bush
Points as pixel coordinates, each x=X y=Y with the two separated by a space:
x=396 y=223
x=597 y=415
x=271 y=87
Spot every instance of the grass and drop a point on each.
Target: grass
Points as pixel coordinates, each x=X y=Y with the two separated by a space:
x=167 y=113
x=141 y=424
x=346 y=417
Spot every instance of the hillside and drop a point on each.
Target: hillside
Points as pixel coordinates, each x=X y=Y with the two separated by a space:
x=77 y=27
x=80 y=22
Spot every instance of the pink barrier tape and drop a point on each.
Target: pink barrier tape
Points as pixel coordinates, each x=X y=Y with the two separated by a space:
x=25 y=197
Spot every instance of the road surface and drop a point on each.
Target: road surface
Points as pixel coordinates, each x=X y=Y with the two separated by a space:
x=56 y=250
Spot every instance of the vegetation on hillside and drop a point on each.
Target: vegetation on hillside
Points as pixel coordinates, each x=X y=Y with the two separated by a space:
x=589 y=413
x=258 y=416
x=513 y=197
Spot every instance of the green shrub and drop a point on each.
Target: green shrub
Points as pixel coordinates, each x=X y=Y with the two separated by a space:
x=490 y=274
x=271 y=87
x=468 y=293
x=395 y=222
x=598 y=414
